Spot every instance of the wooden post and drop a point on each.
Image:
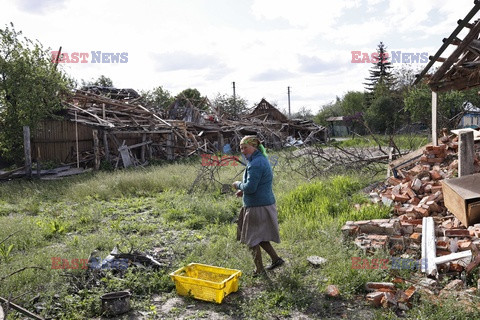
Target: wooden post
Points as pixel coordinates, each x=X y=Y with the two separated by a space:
x=142 y=156
x=434 y=118
x=390 y=156
x=38 y=162
x=76 y=140
x=28 y=154
x=105 y=145
x=149 y=149
x=170 y=146
x=466 y=154
x=221 y=142
x=96 y=150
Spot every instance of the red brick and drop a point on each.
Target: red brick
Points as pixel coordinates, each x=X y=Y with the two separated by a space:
x=410 y=292
x=416 y=236
x=401 y=198
x=424 y=212
x=457 y=233
x=375 y=298
x=464 y=245
x=380 y=286
x=455 y=267
x=435 y=175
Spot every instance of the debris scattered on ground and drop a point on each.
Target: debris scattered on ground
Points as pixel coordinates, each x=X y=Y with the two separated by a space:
x=415 y=191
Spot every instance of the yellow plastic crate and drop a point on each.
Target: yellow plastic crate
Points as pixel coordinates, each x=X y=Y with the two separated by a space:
x=205 y=282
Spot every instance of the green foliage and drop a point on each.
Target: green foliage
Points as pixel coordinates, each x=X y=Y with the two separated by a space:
x=149 y=210
x=380 y=72
x=314 y=205
x=31 y=89
x=102 y=81
x=450 y=104
x=229 y=106
x=159 y=99
x=381 y=115
x=195 y=97
x=327 y=111
x=52 y=228
x=5 y=251
x=403 y=142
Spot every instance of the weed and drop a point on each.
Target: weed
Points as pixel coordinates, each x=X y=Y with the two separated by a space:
x=5 y=252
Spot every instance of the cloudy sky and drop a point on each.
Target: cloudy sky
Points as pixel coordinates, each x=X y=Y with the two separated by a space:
x=264 y=46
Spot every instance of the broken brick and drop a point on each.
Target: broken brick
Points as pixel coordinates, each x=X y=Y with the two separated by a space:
x=380 y=286
x=457 y=233
x=375 y=298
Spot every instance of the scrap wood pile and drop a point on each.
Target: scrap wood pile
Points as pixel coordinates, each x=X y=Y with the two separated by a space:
x=415 y=193
x=180 y=134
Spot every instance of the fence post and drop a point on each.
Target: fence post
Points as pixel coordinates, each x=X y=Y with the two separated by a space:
x=28 y=153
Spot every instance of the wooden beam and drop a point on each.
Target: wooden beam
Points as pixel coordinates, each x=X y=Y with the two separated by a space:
x=438 y=59
x=454 y=34
x=473 y=34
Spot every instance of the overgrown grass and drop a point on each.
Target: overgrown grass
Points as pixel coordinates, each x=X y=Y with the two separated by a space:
x=403 y=142
x=150 y=210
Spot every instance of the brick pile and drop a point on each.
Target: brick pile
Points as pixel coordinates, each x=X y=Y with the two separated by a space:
x=414 y=192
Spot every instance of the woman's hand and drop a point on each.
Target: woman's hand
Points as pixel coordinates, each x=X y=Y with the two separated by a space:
x=239 y=193
x=235 y=184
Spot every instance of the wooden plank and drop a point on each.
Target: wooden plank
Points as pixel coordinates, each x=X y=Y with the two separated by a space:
x=454 y=202
x=458 y=193
x=400 y=162
x=474 y=211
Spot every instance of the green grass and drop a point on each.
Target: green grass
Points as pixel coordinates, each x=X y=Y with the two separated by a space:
x=404 y=142
x=151 y=210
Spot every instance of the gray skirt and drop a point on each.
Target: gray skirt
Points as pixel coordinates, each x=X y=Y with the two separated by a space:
x=257 y=224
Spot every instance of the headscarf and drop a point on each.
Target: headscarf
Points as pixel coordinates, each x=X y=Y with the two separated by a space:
x=254 y=142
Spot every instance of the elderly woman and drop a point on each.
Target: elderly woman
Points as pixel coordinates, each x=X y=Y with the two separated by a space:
x=258 y=221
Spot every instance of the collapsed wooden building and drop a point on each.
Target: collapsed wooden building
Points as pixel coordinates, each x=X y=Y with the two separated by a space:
x=95 y=127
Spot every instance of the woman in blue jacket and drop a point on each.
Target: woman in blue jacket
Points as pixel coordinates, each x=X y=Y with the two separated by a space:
x=258 y=219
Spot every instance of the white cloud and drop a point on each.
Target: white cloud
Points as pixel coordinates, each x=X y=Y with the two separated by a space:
x=40 y=7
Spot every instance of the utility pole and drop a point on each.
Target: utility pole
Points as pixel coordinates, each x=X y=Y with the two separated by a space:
x=234 y=100
x=289 y=114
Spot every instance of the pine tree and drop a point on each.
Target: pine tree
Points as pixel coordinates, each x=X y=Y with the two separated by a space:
x=380 y=74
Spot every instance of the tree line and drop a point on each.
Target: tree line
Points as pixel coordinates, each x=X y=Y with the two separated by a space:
x=390 y=102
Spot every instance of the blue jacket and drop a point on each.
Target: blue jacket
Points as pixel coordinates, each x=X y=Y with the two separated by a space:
x=257 y=182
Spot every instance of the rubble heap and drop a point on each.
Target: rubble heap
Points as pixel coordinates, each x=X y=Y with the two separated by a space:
x=415 y=191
